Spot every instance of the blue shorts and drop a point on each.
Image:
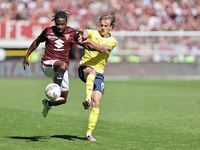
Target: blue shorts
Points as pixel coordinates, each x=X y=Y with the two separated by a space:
x=98 y=82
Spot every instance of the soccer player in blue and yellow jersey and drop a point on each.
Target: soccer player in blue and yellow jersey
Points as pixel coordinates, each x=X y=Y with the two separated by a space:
x=92 y=65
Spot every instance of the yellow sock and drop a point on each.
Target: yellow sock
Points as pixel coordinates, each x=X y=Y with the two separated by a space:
x=92 y=120
x=89 y=85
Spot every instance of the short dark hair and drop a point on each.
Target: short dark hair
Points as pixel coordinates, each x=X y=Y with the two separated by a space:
x=62 y=14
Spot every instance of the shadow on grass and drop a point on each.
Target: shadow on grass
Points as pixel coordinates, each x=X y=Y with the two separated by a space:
x=40 y=138
x=67 y=137
x=31 y=138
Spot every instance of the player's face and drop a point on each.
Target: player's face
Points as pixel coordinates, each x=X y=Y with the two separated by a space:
x=60 y=25
x=105 y=27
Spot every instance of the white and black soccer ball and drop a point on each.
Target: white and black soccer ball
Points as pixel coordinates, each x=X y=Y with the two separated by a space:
x=53 y=91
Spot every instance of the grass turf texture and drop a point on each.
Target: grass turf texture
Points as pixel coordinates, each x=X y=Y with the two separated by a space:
x=134 y=114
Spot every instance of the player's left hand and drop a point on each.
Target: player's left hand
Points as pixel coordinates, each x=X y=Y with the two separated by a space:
x=80 y=40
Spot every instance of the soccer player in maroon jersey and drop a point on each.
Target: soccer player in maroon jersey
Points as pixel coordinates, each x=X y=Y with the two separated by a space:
x=55 y=62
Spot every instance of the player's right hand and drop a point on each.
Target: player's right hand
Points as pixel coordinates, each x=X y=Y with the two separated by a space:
x=107 y=51
x=81 y=40
x=25 y=62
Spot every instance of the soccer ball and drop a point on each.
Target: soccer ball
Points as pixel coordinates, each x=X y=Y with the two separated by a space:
x=53 y=91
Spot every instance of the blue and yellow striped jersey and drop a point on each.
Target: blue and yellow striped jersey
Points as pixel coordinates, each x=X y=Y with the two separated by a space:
x=95 y=59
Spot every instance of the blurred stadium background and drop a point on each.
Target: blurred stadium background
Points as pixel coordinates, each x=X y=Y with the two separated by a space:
x=156 y=39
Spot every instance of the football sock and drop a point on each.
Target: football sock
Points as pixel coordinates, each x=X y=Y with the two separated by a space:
x=50 y=103
x=92 y=120
x=89 y=85
x=57 y=102
x=59 y=76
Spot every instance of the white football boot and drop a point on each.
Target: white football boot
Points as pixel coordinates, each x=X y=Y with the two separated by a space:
x=90 y=138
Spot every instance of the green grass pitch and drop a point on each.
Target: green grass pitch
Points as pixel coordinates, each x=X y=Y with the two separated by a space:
x=134 y=115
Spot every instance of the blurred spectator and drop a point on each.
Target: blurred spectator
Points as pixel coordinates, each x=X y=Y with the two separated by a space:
x=144 y=15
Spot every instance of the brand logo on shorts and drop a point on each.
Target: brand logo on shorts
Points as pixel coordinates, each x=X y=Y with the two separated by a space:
x=102 y=86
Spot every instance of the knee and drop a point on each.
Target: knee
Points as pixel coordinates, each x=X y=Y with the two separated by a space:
x=63 y=65
x=60 y=64
x=95 y=104
x=93 y=72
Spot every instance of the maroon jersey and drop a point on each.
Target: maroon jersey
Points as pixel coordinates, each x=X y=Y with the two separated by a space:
x=57 y=46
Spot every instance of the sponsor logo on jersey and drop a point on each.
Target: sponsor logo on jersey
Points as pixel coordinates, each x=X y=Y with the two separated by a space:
x=52 y=37
x=105 y=42
x=59 y=44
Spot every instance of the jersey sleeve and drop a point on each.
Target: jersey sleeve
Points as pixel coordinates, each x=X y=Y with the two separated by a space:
x=75 y=36
x=42 y=36
x=111 y=43
x=89 y=33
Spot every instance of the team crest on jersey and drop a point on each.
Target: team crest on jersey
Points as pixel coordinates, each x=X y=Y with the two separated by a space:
x=67 y=36
x=105 y=42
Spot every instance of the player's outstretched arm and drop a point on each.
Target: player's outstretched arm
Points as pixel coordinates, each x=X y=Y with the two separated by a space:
x=33 y=46
x=93 y=46
x=101 y=48
x=89 y=44
x=83 y=32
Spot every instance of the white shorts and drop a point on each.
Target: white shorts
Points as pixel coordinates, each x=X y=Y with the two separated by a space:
x=47 y=69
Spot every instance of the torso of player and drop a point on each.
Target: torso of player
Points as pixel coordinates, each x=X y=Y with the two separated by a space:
x=57 y=46
x=95 y=59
